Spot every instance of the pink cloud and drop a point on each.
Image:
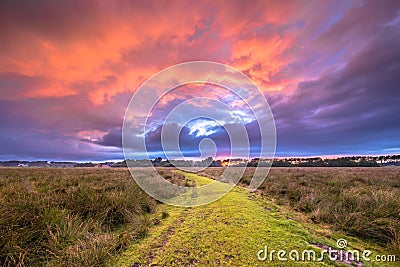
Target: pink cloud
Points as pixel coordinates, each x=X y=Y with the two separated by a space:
x=74 y=65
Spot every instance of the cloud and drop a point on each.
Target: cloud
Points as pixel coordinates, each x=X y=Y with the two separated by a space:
x=113 y=138
x=14 y=86
x=68 y=70
x=350 y=110
x=228 y=138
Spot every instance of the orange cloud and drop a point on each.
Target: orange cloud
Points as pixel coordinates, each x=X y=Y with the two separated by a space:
x=84 y=42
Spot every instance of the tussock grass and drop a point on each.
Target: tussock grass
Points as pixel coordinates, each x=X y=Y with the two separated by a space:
x=69 y=217
x=173 y=176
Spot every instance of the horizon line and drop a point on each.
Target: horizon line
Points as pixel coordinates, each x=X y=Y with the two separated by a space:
x=334 y=156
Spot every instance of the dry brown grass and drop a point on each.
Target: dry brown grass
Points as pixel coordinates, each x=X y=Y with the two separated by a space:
x=69 y=217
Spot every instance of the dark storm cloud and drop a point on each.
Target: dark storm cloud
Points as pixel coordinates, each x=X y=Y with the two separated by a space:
x=37 y=128
x=361 y=23
x=351 y=110
x=113 y=138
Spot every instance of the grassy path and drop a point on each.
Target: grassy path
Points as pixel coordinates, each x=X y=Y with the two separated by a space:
x=228 y=232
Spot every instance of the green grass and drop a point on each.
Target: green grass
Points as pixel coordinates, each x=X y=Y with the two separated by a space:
x=363 y=202
x=228 y=232
x=196 y=179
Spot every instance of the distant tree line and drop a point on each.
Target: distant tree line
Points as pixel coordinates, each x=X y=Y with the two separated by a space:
x=351 y=161
x=318 y=162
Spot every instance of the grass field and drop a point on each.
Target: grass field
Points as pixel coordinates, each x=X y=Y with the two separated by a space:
x=69 y=217
x=97 y=217
x=230 y=232
x=363 y=202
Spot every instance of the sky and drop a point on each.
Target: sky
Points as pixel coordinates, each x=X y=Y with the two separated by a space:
x=330 y=71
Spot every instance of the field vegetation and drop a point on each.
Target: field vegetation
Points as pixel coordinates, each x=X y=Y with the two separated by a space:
x=69 y=217
x=363 y=202
x=97 y=217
